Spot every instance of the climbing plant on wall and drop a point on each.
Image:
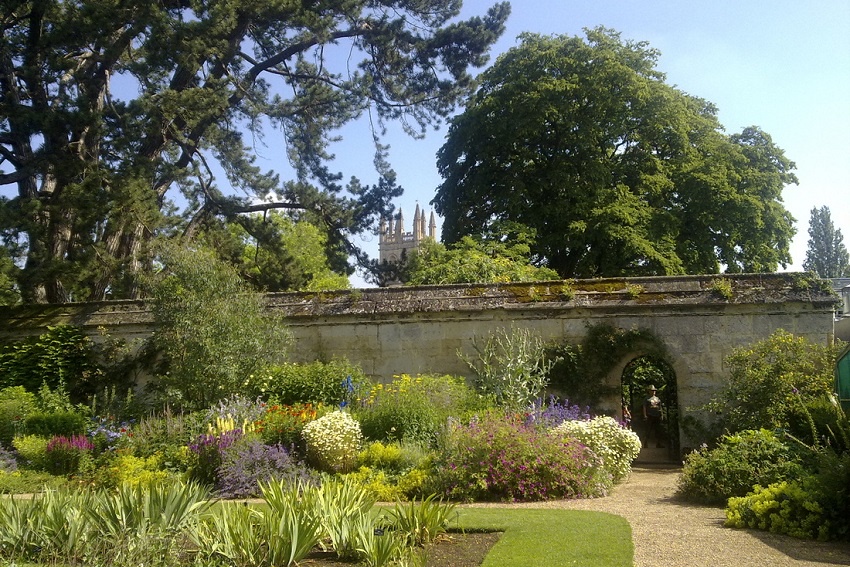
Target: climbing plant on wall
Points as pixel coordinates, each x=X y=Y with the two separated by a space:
x=579 y=371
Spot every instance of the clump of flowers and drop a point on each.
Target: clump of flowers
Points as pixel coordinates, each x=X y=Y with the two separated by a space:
x=333 y=442
x=502 y=458
x=283 y=424
x=610 y=441
x=553 y=413
x=107 y=434
x=248 y=463
x=65 y=454
x=208 y=450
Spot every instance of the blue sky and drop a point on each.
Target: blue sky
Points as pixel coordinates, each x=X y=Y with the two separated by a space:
x=782 y=65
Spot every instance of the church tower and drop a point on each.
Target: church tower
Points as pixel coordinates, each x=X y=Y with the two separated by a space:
x=394 y=241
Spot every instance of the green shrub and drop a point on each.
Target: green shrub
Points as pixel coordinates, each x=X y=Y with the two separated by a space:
x=791 y=508
x=65 y=456
x=333 y=442
x=32 y=451
x=136 y=471
x=16 y=403
x=738 y=463
x=23 y=481
x=610 y=441
x=61 y=355
x=166 y=432
x=330 y=383
x=393 y=471
x=415 y=408
x=63 y=423
x=769 y=379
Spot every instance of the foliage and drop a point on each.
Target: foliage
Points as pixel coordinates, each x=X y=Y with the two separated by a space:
x=16 y=403
x=610 y=441
x=32 y=451
x=56 y=423
x=283 y=424
x=332 y=383
x=278 y=252
x=511 y=367
x=343 y=509
x=119 y=469
x=769 y=378
x=739 y=462
x=421 y=521
x=579 y=371
x=248 y=463
x=722 y=287
x=62 y=356
x=162 y=433
x=333 y=442
x=499 y=458
x=64 y=455
x=212 y=334
x=783 y=507
x=488 y=259
x=130 y=525
x=27 y=481
x=415 y=408
x=636 y=180
x=99 y=169
x=826 y=255
x=237 y=409
x=393 y=471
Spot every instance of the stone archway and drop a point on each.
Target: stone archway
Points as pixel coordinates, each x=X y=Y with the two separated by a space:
x=639 y=374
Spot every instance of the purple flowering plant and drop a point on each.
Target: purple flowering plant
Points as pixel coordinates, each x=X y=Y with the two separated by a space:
x=65 y=454
x=208 y=450
x=554 y=412
x=249 y=461
x=503 y=458
x=8 y=463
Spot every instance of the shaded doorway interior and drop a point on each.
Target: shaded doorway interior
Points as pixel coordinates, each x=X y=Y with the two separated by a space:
x=638 y=376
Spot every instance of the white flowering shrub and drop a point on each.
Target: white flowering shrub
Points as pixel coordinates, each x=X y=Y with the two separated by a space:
x=610 y=441
x=333 y=442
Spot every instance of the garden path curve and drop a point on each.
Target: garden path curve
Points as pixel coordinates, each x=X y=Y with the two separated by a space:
x=670 y=533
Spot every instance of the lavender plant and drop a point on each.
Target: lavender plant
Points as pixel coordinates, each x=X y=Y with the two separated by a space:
x=554 y=412
x=209 y=451
x=248 y=463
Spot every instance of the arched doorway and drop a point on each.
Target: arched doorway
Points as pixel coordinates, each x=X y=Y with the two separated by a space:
x=640 y=374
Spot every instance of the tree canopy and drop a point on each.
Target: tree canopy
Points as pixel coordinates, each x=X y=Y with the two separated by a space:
x=618 y=172
x=492 y=258
x=121 y=121
x=826 y=255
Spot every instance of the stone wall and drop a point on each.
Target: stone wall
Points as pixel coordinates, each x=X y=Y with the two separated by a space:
x=412 y=330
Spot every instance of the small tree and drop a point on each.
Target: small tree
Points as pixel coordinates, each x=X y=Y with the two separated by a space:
x=826 y=255
x=212 y=334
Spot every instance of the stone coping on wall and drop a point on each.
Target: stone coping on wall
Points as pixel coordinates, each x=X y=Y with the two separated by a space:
x=622 y=294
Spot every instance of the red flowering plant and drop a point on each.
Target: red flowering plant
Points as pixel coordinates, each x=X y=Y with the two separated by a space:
x=283 y=424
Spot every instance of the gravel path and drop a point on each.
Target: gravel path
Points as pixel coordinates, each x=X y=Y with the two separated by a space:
x=670 y=533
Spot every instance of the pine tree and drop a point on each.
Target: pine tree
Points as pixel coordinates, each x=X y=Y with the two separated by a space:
x=826 y=256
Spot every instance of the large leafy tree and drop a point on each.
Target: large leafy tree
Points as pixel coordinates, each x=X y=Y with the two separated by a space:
x=490 y=258
x=619 y=173
x=111 y=109
x=826 y=255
